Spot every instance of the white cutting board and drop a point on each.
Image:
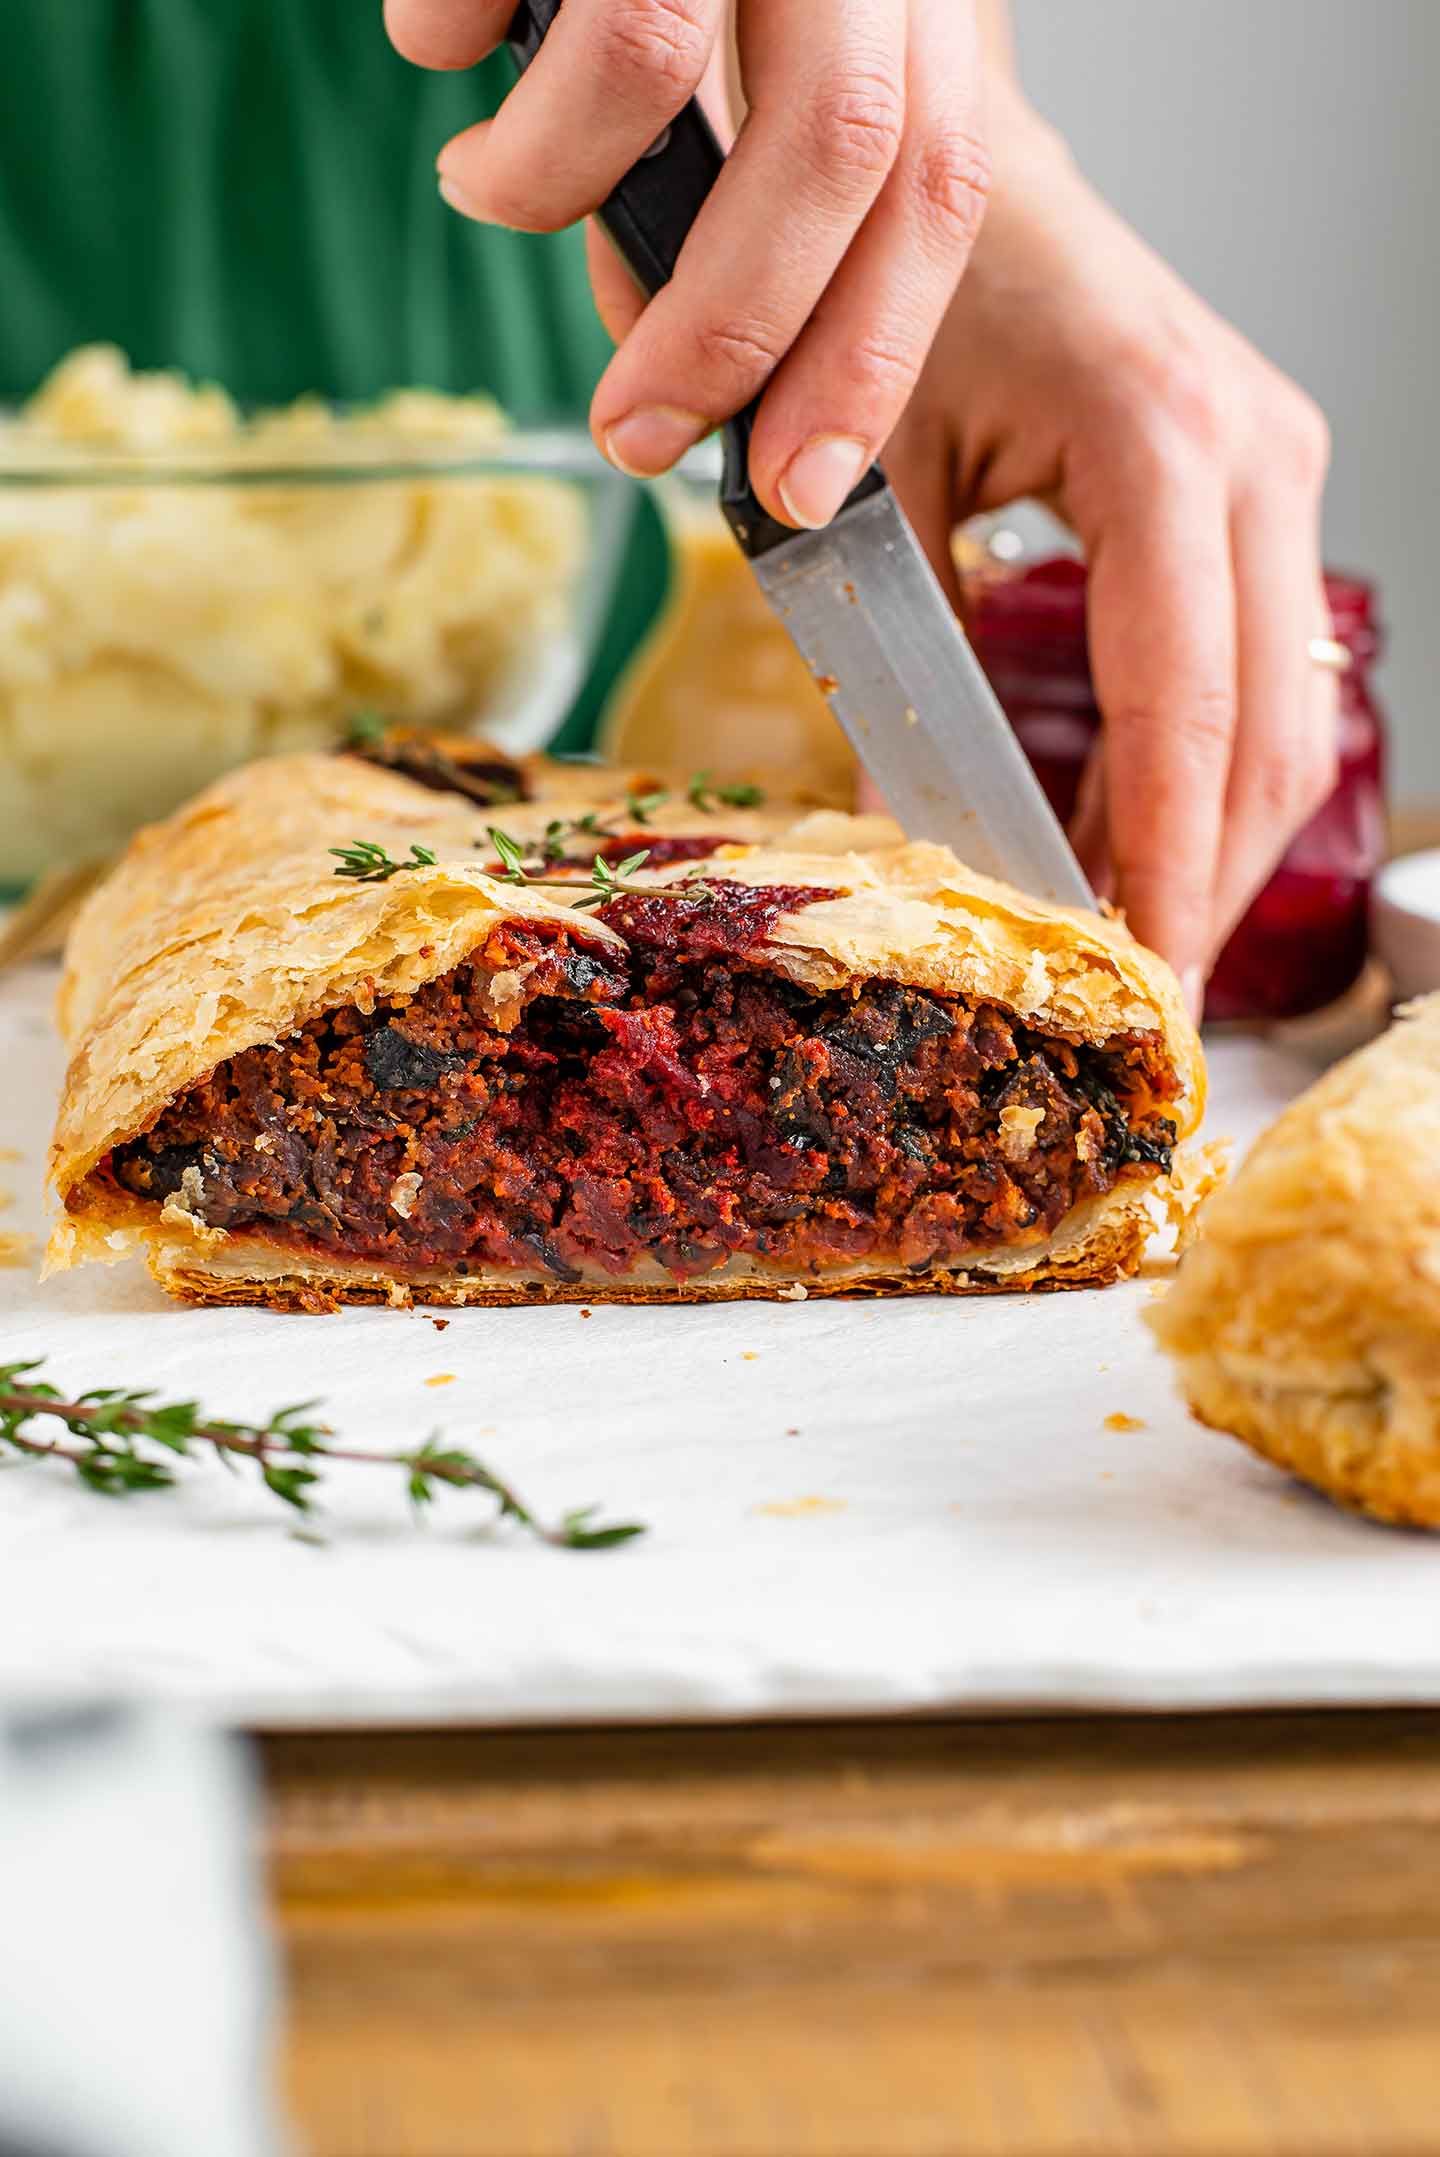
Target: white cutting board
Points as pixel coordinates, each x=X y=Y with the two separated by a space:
x=854 y=1507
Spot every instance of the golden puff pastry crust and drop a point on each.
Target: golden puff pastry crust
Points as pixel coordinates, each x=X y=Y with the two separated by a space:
x=1306 y=1318
x=225 y=928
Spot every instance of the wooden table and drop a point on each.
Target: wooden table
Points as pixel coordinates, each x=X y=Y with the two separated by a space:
x=1206 y=1936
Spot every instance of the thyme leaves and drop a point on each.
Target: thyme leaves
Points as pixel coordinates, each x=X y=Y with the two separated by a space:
x=365 y=861
x=120 y=1441
x=607 y=879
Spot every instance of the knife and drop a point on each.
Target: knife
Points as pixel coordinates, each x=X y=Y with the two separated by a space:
x=859 y=600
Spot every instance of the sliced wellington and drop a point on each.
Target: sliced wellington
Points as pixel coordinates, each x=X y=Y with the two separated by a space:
x=733 y=1069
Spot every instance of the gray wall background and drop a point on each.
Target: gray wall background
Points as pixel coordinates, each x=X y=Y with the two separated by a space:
x=1284 y=155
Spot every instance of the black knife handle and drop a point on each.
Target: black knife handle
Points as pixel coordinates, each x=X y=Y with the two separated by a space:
x=648 y=217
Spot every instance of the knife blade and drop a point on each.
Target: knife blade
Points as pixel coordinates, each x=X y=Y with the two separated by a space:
x=859 y=599
x=871 y=621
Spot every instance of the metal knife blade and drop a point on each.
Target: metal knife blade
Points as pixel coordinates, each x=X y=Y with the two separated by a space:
x=868 y=616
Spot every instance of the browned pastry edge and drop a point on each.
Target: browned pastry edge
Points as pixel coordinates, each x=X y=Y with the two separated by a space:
x=1283 y=1443
x=1337 y=1443
x=1103 y=1246
x=1098 y=1265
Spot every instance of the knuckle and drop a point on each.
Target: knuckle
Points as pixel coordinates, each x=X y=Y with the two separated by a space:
x=854 y=129
x=1190 y=410
x=953 y=178
x=1299 y=435
x=738 y=356
x=1190 y=740
x=1170 y=383
x=881 y=369
x=650 y=44
x=1200 y=729
x=1291 y=779
x=1279 y=787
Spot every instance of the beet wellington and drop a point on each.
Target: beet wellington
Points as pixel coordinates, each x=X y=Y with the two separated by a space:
x=758 y=1062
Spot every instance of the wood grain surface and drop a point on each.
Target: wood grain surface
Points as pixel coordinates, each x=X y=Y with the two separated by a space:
x=1204 y=1937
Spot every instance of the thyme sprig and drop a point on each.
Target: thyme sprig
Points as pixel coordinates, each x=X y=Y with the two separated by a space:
x=366 y=730
x=703 y=794
x=607 y=879
x=554 y=844
x=365 y=861
x=113 y=1430
x=639 y=808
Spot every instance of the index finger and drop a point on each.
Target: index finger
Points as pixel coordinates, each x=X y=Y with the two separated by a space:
x=1162 y=647
x=605 y=84
x=824 y=128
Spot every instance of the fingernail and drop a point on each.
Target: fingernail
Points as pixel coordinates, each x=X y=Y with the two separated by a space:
x=648 y=441
x=819 y=477
x=457 y=200
x=1192 y=988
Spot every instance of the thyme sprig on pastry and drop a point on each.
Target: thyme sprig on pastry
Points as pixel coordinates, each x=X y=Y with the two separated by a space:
x=607 y=879
x=703 y=794
x=554 y=845
x=367 y=862
x=641 y=807
x=112 y=1433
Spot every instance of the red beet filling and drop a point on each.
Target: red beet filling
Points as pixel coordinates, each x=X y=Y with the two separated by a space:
x=675 y=1104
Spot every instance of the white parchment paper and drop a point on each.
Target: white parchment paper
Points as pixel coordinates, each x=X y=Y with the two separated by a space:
x=867 y=1506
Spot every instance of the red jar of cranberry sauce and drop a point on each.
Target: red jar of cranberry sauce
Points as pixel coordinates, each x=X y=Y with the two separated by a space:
x=1303 y=942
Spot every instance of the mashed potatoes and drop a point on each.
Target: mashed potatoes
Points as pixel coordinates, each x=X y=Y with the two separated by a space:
x=154 y=634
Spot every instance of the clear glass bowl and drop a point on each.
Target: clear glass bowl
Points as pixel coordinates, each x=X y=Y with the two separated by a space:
x=169 y=612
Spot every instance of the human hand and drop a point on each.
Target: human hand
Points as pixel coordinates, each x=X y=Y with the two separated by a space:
x=1074 y=366
x=826 y=256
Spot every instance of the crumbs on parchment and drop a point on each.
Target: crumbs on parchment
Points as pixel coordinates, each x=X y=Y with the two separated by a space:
x=800 y=1508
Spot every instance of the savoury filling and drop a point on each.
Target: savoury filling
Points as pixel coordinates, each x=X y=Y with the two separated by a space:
x=569 y=1110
